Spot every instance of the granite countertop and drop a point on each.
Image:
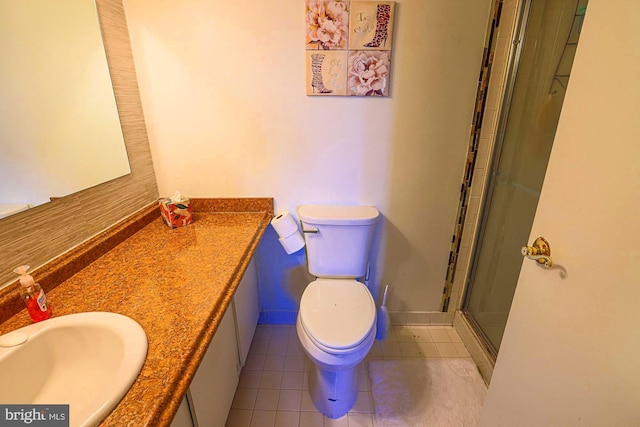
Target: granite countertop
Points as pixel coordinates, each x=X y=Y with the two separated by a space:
x=177 y=284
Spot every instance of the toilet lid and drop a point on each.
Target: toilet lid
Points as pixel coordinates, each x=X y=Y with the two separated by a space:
x=337 y=313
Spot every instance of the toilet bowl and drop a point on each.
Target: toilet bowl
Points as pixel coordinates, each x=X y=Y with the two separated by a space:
x=336 y=326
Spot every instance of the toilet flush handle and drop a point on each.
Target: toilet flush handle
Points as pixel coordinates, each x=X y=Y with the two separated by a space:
x=313 y=230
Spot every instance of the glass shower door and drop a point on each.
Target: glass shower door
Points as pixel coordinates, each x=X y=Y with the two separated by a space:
x=520 y=161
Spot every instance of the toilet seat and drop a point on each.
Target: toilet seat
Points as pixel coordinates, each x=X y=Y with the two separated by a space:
x=337 y=314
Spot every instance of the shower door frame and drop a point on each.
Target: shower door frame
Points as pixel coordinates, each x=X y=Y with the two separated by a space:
x=512 y=71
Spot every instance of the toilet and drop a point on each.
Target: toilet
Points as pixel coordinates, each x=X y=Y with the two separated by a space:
x=336 y=324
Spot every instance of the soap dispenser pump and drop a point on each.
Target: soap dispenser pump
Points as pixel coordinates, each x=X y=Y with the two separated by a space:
x=33 y=295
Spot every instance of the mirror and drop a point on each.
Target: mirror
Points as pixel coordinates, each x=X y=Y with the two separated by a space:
x=59 y=126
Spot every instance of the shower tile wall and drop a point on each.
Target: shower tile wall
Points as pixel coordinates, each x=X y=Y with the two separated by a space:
x=497 y=78
x=470 y=218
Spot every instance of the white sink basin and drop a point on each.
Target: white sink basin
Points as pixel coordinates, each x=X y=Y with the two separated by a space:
x=86 y=360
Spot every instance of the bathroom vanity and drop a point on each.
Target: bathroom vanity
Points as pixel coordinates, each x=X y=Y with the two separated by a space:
x=193 y=290
x=211 y=392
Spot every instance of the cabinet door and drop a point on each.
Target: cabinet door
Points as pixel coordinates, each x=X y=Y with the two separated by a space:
x=214 y=384
x=183 y=416
x=246 y=306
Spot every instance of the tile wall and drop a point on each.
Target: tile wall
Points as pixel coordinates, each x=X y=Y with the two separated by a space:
x=483 y=135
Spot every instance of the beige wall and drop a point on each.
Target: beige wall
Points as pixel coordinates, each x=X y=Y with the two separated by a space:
x=222 y=85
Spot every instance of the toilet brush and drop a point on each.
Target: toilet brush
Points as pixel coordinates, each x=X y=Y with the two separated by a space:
x=382 y=322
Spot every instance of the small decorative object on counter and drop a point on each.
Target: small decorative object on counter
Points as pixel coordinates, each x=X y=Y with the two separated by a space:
x=33 y=295
x=176 y=210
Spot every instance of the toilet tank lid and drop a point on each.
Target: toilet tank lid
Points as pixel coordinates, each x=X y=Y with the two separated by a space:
x=338 y=215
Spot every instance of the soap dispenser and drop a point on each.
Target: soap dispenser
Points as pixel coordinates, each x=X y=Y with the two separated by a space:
x=33 y=296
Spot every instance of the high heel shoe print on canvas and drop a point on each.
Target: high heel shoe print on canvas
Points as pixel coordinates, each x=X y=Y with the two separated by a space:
x=383 y=16
x=316 y=70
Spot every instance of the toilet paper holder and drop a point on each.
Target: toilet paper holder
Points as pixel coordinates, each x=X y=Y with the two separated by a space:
x=540 y=251
x=313 y=230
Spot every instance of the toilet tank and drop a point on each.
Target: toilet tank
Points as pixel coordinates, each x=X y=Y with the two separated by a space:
x=340 y=248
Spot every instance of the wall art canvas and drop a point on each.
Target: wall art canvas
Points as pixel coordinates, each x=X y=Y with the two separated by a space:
x=328 y=72
x=348 y=47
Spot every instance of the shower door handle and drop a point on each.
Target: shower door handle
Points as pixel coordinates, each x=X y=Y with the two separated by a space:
x=540 y=252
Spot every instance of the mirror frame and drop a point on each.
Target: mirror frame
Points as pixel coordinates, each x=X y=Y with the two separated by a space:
x=47 y=231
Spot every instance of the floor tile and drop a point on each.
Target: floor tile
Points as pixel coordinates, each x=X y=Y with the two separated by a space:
x=250 y=379
x=259 y=346
x=287 y=419
x=311 y=419
x=363 y=382
x=263 y=419
x=239 y=418
x=390 y=349
x=305 y=380
x=338 y=422
x=306 y=404
x=440 y=335
x=293 y=334
x=274 y=362
x=391 y=334
x=454 y=335
x=422 y=334
x=280 y=332
x=271 y=379
x=429 y=350
x=254 y=362
x=267 y=399
x=376 y=349
x=461 y=349
x=404 y=334
x=308 y=364
x=263 y=332
x=447 y=349
x=245 y=398
x=294 y=363
x=294 y=347
x=277 y=347
x=409 y=350
x=292 y=380
x=362 y=403
x=289 y=400
x=360 y=419
x=273 y=386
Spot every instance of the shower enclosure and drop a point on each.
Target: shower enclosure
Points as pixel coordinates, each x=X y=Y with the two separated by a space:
x=539 y=74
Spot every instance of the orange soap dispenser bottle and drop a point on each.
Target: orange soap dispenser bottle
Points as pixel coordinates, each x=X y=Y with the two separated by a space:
x=33 y=296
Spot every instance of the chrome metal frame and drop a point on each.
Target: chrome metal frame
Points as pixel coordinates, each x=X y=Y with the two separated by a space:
x=514 y=62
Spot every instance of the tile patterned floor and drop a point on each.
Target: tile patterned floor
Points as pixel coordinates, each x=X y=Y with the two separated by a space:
x=273 y=390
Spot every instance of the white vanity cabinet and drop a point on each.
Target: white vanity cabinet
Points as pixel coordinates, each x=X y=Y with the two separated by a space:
x=214 y=384
x=183 y=416
x=246 y=308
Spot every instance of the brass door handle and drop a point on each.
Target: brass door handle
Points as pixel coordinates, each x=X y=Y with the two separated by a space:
x=540 y=252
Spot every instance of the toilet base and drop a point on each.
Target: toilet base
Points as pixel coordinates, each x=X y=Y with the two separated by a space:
x=333 y=392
